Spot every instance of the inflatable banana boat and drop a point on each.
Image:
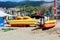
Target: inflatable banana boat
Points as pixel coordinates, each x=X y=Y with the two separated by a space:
x=27 y=21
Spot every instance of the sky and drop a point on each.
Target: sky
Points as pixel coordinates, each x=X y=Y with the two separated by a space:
x=25 y=0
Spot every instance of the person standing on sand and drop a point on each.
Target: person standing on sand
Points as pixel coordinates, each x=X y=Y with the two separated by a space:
x=5 y=21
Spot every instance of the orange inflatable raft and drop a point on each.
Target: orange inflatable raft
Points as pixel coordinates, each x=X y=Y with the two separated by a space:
x=49 y=24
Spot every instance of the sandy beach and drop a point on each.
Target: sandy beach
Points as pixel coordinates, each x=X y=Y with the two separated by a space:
x=27 y=34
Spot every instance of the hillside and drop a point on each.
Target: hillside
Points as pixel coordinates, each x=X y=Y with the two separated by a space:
x=14 y=4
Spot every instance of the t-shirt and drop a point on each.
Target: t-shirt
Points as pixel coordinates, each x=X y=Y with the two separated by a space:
x=46 y=18
x=5 y=21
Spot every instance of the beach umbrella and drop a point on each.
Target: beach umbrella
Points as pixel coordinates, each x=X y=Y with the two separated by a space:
x=2 y=14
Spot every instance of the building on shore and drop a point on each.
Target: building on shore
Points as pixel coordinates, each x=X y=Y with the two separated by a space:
x=58 y=9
